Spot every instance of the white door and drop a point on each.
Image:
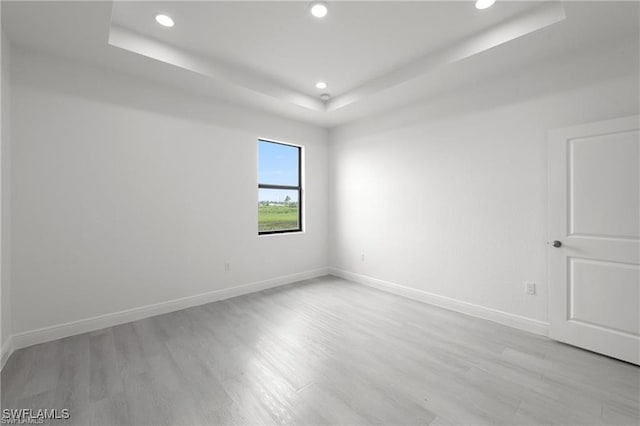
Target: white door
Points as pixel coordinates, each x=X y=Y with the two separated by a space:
x=594 y=219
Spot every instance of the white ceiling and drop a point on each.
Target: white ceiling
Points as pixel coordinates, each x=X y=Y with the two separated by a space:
x=268 y=55
x=354 y=43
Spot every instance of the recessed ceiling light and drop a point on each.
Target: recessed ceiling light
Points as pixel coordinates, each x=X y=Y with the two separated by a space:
x=164 y=20
x=325 y=97
x=321 y=85
x=484 y=4
x=319 y=9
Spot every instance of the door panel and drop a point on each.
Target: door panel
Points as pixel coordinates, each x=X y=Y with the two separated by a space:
x=594 y=210
x=604 y=185
x=604 y=294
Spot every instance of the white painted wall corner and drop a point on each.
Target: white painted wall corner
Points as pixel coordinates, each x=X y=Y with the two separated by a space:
x=6 y=351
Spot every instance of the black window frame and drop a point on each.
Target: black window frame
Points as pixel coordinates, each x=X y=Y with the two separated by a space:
x=287 y=187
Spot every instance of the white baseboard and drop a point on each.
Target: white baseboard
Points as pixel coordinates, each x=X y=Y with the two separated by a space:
x=501 y=317
x=6 y=351
x=46 y=334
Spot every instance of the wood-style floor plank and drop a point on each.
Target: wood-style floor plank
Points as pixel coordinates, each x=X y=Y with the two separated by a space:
x=322 y=351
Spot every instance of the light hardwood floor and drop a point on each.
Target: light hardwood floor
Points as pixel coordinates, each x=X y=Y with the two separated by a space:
x=318 y=352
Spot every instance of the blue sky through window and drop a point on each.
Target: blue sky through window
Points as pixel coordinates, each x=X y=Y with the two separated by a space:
x=277 y=165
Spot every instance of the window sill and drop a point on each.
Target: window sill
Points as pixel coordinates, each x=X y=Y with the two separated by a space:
x=281 y=234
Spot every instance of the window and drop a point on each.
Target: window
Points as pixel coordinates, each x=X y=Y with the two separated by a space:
x=279 y=188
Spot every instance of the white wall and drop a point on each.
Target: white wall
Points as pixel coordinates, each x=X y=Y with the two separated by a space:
x=449 y=196
x=129 y=194
x=5 y=200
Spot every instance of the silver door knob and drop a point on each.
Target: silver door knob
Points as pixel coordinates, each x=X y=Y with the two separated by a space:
x=556 y=243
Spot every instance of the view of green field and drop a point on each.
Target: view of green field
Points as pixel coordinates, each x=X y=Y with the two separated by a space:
x=277 y=217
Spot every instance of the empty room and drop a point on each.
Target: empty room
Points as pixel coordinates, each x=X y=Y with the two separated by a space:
x=320 y=212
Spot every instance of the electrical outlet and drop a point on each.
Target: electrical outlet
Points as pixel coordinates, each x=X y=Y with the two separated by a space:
x=530 y=288
x=227 y=266
x=362 y=257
